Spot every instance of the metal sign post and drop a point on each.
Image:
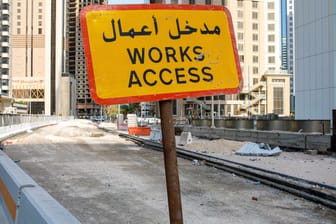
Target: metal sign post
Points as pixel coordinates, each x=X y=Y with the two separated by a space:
x=170 y=159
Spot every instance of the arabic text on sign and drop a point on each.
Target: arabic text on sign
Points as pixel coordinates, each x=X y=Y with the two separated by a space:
x=145 y=31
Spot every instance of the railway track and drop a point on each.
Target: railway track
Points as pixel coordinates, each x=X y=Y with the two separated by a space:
x=313 y=191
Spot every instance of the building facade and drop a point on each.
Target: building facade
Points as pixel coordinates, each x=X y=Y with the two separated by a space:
x=290 y=23
x=288 y=50
x=315 y=59
x=5 y=94
x=27 y=64
x=257 y=31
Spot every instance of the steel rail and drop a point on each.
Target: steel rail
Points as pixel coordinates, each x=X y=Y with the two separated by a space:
x=313 y=191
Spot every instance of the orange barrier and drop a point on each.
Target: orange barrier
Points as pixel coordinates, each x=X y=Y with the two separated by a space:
x=139 y=131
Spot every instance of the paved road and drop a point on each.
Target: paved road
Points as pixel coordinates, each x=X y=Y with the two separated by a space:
x=102 y=178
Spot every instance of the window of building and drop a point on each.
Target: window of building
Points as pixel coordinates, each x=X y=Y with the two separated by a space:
x=39 y=16
x=270 y=16
x=262 y=109
x=5 y=28
x=240 y=14
x=40 y=10
x=18 y=31
x=240 y=36
x=278 y=102
x=18 y=17
x=270 y=5
x=240 y=47
x=271 y=27
x=271 y=59
x=271 y=49
x=271 y=38
x=18 y=23
x=4 y=49
x=254 y=4
x=255 y=59
x=255 y=37
x=40 y=4
x=5 y=17
x=4 y=60
x=255 y=26
x=40 y=23
x=255 y=81
x=4 y=92
x=228 y=109
x=240 y=25
x=19 y=4
x=4 y=39
x=239 y=3
x=4 y=71
x=235 y=108
x=224 y=2
x=241 y=58
x=255 y=71
x=255 y=48
x=18 y=10
x=4 y=82
x=39 y=30
x=254 y=15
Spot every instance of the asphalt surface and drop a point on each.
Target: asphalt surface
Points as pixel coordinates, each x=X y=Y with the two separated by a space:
x=102 y=178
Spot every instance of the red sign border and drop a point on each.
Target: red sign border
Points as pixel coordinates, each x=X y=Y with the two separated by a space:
x=167 y=96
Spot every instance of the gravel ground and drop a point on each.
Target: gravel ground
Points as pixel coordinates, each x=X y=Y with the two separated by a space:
x=319 y=168
x=102 y=178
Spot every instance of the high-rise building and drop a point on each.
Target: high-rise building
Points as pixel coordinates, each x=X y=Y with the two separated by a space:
x=5 y=93
x=76 y=66
x=27 y=64
x=290 y=38
x=32 y=34
x=60 y=85
x=291 y=50
x=284 y=59
x=315 y=59
x=266 y=86
x=257 y=29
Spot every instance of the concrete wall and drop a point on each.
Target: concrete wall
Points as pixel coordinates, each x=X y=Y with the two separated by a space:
x=309 y=126
x=301 y=141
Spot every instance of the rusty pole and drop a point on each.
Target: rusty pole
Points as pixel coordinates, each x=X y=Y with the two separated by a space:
x=169 y=151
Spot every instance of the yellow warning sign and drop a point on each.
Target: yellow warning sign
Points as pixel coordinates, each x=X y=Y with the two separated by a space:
x=152 y=52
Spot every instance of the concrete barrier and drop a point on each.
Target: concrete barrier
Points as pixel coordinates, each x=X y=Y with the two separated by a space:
x=15 y=124
x=24 y=201
x=308 y=126
x=293 y=140
x=185 y=138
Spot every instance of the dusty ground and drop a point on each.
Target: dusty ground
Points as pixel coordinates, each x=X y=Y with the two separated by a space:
x=319 y=168
x=102 y=178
